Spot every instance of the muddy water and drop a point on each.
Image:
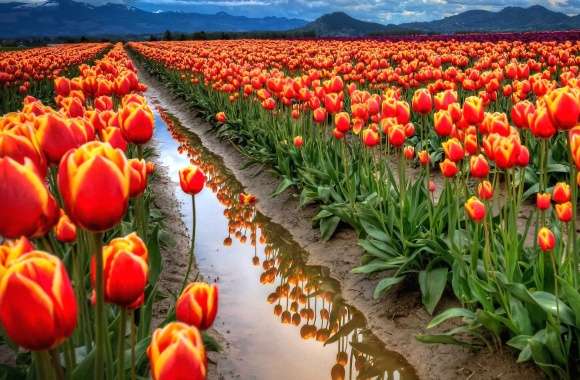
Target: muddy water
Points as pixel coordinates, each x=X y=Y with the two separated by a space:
x=283 y=319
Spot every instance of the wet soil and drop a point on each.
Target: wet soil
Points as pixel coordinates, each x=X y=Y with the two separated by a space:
x=396 y=317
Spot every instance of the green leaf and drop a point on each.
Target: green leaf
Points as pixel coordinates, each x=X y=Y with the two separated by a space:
x=552 y=305
x=519 y=342
x=328 y=226
x=373 y=266
x=440 y=339
x=573 y=298
x=86 y=368
x=456 y=312
x=385 y=284
x=432 y=283
x=286 y=183
x=155 y=263
x=210 y=343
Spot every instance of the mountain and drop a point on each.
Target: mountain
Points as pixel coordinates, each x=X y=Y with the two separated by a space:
x=340 y=24
x=70 y=18
x=509 y=19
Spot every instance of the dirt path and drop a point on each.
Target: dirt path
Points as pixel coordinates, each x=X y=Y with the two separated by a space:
x=395 y=318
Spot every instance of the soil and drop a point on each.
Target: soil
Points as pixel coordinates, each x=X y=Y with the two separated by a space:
x=397 y=317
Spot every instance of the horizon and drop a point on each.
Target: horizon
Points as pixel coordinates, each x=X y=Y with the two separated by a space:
x=376 y=11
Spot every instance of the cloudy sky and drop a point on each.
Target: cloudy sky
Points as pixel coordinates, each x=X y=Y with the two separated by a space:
x=383 y=11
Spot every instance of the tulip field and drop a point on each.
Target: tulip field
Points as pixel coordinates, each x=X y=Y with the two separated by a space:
x=456 y=162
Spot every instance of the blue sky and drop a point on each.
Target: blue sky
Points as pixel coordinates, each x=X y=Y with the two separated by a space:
x=383 y=11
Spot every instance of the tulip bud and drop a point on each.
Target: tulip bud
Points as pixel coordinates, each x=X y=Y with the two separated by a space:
x=136 y=122
x=543 y=201
x=298 y=142
x=485 y=190
x=475 y=209
x=221 y=117
x=125 y=271
x=564 y=211
x=448 y=168
x=65 y=230
x=561 y=192
x=138 y=177
x=27 y=208
x=150 y=166
x=197 y=305
x=176 y=352
x=191 y=179
x=546 y=239
x=478 y=166
x=38 y=309
x=94 y=182
x=523 y=157
x=431 y=186
x=422 y=102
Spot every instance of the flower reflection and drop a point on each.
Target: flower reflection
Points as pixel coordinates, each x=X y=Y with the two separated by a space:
x=303 y=296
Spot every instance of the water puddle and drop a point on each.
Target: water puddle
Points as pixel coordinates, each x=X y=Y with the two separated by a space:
x=283 y=319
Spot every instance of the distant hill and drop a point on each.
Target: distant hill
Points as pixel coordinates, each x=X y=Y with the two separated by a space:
x=340 y=24
x=509 y=19
x=69 y=18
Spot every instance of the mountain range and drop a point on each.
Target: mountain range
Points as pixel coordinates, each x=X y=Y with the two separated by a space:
x=70 y=18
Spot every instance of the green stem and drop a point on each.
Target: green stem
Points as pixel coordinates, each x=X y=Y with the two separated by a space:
x=100 y=328
x=121 y=345
x=133 y=343
x=192 y=248
x=56 y=364
x=43 y=367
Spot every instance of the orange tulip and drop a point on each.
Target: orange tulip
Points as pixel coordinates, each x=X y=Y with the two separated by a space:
x=57 y=135
x=475 y=209
x=448 y=168
x=27 y=208
x=422 y=102
x=478 y=166
x=485 y=190
x=197 y=305
x=473 y=110
x=125 y=271
x=453 y=149
x=561 y=192
x=546 y=239
x=136 y=122
x=176 y=352
x=443 y=123
x=94 y=182
x=563 y=105
x=564 y=211
x=138 y=177
x=191 y=179
x=38 y=309
x=65 y=230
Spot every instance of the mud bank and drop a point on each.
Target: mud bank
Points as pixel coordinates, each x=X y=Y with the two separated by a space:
x=395 y=318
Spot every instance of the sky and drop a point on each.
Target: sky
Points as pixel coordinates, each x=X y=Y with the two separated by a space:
x=382 y=11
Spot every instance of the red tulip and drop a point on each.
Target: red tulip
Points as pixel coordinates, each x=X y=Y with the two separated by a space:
x=478 y=166
x=543 y=201
x=473 y=110
x=342 y=122
x=197 y=305
x=422 y=102
x=136 y=122
x=546 y=239
x=191 y=179
x=370 y=138
x=564 y=212
x=298 y=142
x=561 y=192
x=65 y=230
x=137 y=177
x=443 y=123
x=397 y=135
x=475 y=209
x=453 y=150
x=448 y=168
x=563 y=106
x=485 y=190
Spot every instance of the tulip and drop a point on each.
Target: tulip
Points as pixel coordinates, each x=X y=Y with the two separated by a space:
x=247 y=199
x=443 y=99
x=470 y=144
x=12 y=250
x=473 y=110
x=221 y=117
x=397 y=135
x=523 y=157
x=448 y=168
x=561 y=192
x=319 y=115
x=431 y=186
x=485 y=190
x=563 y=106
x=191 y=179
x=564 y=211
x=520 y=113
x=136 y=122
x=443 y=123
x=65 y=230
x=138 y=177
x=176 y=352
x=424 y=157
x=56 y=136
x=475 y=209
x=540 y=124
x=505 y=152
x=409 y=152
x=422 y=102
x=478 y=166
x=546 y=239
x=62 y=86
x=103 y=103
x=27 y=208
x=150 y=167
x=543 y=201
x=453 y=150
x=18 y=143
x=38 y=309
x=342 y=122
x=114 y=136
x=125 y=271
x=370 y=138
x=197 y=305
x=298 y=142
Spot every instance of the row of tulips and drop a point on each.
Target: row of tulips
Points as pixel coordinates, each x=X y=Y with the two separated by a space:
x=301 y=295
x=499 y=121
x=31 y=71
x=80 y=250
